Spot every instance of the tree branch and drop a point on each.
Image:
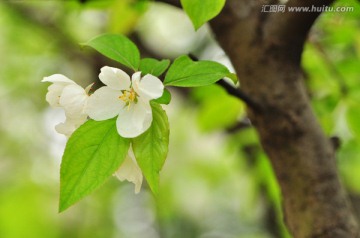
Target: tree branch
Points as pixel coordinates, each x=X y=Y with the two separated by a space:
x=297 y=22
x=290 y=28
x=265 y=49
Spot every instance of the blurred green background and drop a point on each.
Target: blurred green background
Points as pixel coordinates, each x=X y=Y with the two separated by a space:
x=216 y=183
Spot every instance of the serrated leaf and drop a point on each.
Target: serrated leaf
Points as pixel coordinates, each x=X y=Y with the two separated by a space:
x=151 y=148
x=118 y=48
x=164 y=99
x=201 y=11
x=92 y=154
x=153 y=66
x=186 y=73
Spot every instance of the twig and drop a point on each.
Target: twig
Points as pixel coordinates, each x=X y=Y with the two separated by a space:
x=236 y=92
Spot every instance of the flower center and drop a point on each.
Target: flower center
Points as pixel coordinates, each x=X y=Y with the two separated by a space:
x=128 y=96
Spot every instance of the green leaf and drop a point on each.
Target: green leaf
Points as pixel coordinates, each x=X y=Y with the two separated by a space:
x=201 y=11
x=118 y=48
x=153 y=66
x=233 y=77
x=93 y=153
x=164 y=99
x=186 y=73
x=151 y=147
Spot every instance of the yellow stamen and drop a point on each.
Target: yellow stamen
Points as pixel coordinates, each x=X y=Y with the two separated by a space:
x=128 y=97
x=132 y=95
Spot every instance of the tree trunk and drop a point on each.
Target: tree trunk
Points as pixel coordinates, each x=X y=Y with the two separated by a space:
x=265 y=49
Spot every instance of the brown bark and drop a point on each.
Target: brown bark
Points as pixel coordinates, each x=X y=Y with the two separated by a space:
x=265 y=49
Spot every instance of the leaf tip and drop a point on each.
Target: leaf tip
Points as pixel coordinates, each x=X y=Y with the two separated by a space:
x=62 y=207
x=198 y=25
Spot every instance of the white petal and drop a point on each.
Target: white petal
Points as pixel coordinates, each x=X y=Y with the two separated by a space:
x=65 y=129
x=73 y=99
x=115 y=78
x=69 y=126
x=54 y=90
x=104 y=104
x=149 y=87
x=130 y=171
x=135 y=78
x=53 y=94
x=58 y=78
x=135 y=120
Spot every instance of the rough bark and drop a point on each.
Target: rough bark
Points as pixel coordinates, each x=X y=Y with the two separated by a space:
x=265 y=49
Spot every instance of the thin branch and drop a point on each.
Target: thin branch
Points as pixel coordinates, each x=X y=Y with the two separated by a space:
x=175 y=3
x=236 y=92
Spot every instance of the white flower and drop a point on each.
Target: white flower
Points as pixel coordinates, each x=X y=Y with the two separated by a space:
x=68 y=95
x=125 y=98
x=55 y=90
x=70 y=125
x=130 y=171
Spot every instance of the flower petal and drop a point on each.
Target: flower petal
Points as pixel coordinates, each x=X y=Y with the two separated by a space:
x=58 y=78
x=73 y=99
x=115 y=78
x=135 y=120
x=69 y=126
x=104 y=104
x=53 y=94
x=54 y=91
x=130 y=171
x=65 y=129
x=149 y=87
